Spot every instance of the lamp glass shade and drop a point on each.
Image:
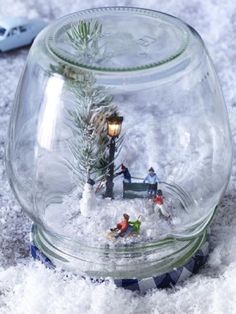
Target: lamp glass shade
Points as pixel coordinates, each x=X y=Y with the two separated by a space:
x=114 y=125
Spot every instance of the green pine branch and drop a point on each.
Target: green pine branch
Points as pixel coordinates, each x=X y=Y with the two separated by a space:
x=84 y=33
x=92 y=106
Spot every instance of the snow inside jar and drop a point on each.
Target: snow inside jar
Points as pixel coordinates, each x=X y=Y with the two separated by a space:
x=119 y=142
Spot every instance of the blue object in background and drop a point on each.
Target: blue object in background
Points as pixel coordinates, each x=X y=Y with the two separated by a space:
x=17 y=32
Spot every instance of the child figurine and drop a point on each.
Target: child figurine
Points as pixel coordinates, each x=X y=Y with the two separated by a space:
x=121 y=227
x=125 y=228
x=159 y=204
x=152 y=180
x=135 y=225
x=126 y=173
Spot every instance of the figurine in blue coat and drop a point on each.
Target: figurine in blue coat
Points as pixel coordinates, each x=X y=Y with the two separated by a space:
x=126 y=174
x=152 y=180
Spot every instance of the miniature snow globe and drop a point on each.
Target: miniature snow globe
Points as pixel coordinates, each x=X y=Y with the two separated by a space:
x=119 y=146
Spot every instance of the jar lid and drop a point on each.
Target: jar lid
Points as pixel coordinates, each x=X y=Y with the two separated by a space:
x=118 y=39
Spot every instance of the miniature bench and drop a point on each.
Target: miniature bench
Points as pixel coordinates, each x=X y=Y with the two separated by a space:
x=135 y=190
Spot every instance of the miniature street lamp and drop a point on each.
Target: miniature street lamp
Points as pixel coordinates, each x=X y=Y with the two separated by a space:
x=114 y=124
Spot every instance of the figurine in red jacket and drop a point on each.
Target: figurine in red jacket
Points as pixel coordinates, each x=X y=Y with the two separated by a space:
x=122 y=226
x=159 y=204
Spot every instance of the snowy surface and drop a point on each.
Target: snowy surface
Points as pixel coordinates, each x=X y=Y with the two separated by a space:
x=93 y=228
x=26 y=286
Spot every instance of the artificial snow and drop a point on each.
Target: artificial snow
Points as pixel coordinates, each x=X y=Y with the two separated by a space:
x=25 y=285
x=91 y=223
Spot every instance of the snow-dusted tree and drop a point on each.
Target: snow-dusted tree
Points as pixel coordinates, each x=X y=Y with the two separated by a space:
x=88 y=117
x=84 y=37
x=88 y=120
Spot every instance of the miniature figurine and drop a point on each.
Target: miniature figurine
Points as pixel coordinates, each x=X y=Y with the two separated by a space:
x=159 y=204
x=135 y=225
x=125 y=172
x=152 y=180
x=125 y=228
x=88 y=200
x=18 y=32
x=122 y=226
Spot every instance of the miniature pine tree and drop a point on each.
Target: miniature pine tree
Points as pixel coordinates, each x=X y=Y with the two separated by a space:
x=84 y=38
x=88 y=120
x=93 y=105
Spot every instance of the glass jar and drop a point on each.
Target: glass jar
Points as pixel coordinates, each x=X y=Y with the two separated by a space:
x=116 y=109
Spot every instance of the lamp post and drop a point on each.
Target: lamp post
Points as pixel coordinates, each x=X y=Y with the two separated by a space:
x=114 y=124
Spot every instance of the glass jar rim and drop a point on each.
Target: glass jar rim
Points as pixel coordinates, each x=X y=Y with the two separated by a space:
x=63 y=24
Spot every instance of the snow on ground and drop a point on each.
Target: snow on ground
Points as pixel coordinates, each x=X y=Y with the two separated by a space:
x=93 y=230
x=66 y=218
x=26 y=286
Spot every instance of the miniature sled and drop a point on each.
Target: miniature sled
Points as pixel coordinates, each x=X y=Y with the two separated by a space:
x=113 y=235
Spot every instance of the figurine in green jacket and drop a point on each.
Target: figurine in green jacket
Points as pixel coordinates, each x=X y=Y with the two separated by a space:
x=135 y=225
